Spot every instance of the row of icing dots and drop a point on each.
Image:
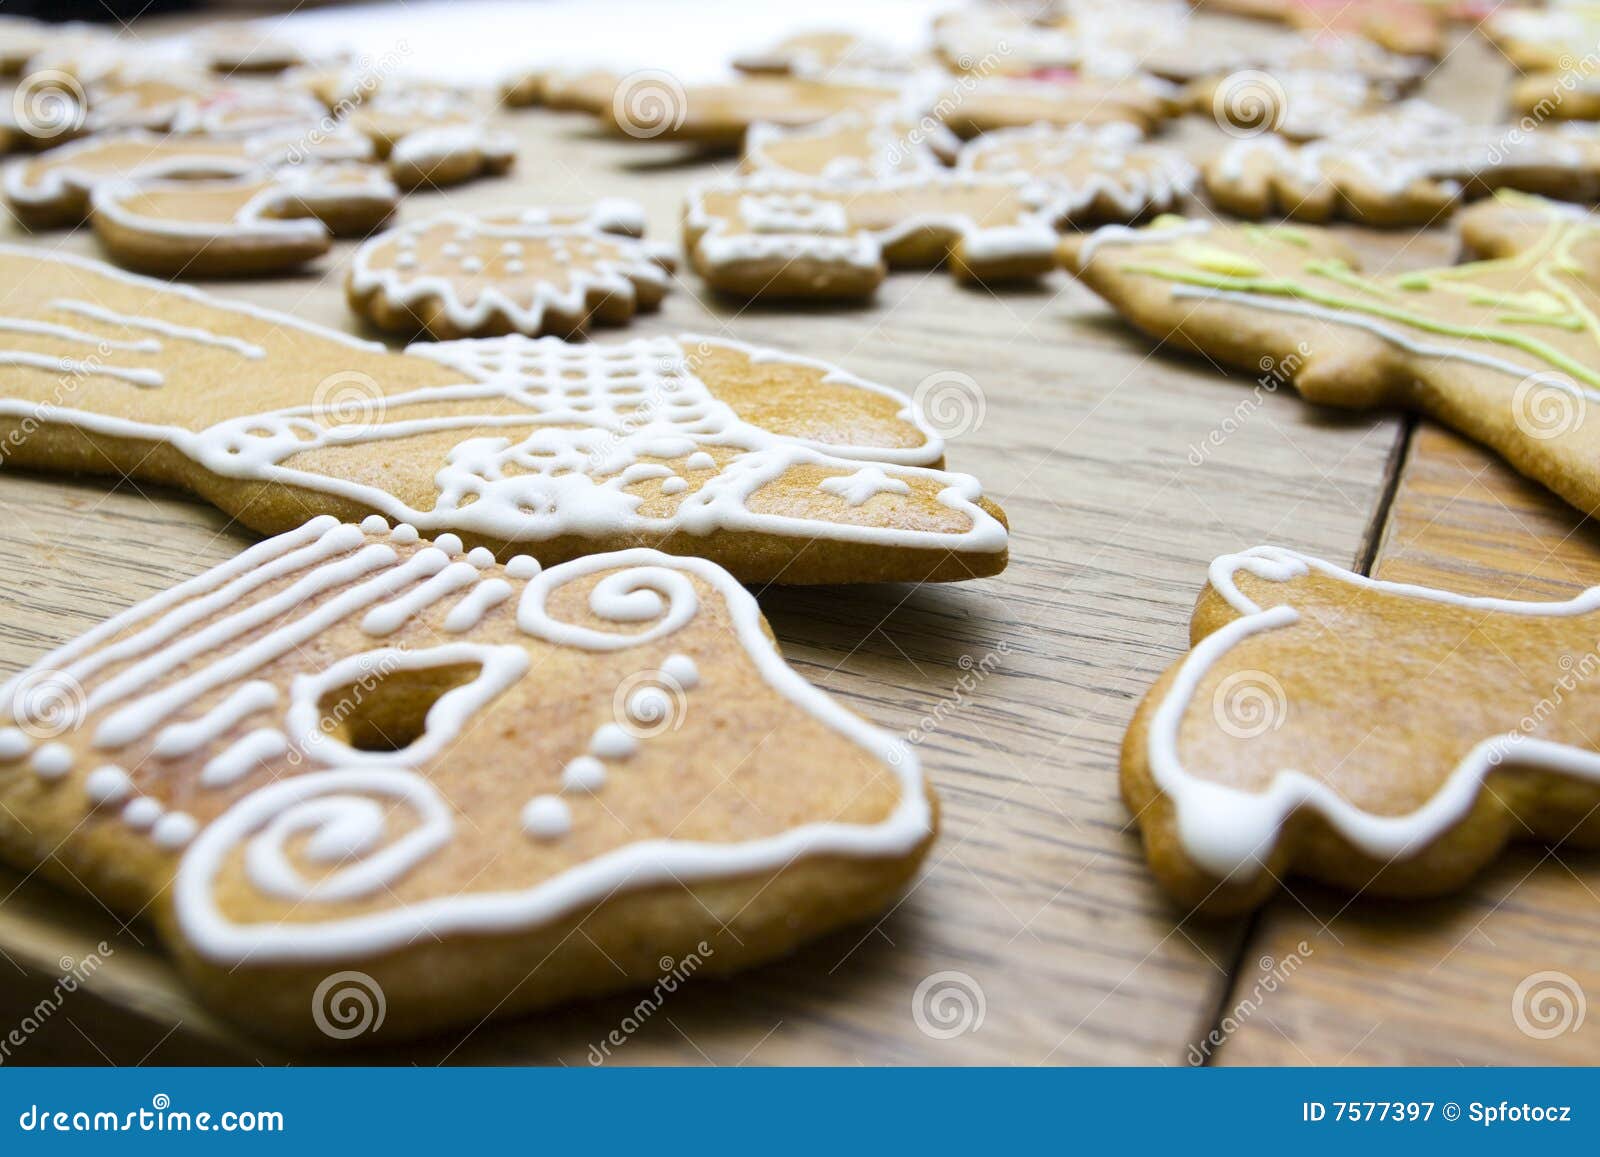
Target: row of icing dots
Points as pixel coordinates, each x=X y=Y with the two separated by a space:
x=548 y=816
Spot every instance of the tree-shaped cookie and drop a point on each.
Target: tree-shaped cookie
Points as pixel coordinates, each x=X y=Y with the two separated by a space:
x=1503 y=349
x=1403 y=166
x=776 y=236
x=779 y=467
x=533 y=272
x=486 y=788
x=1383 y=737
x=259 y=221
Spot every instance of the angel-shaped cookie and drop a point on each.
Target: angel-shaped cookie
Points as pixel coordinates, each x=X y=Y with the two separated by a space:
x=259 y=221
x=486 y=789
x=1504 y=350
x=1384 y=737
x=783 y=468
x=535 y=271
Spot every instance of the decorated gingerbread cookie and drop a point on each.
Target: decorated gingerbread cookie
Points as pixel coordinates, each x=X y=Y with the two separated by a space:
x=1289 y=741
x=21 y=39
x=241 y=48
x=1095 y=174
x=1405 y=27
x=587 y=90
x=882 y=143
x=1296 y=105
x=487 y=788
x=822 y=53
x=1503 y=349
x=774 y=236
x=654 y=106
x=779 y=467
x=241 y=110
x=433 y=136
x=53 y=189
x=970 y=107
x=534 y=272
x=251 y=223
x=1403 y=167
x=143 y=98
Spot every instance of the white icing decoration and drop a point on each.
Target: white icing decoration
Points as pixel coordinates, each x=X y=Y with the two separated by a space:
x=476 y=603
x=405 y=534
x=189 y=333
x=700 y=460
x=864 y=484
x=375 y=524
x=584 y=773
x=449 y=543
x=1227 y=830
x=250 y=752
x=674 y=485
x=52 y=761
x=14 y=744
x=546 y=817
x=682 y=670
x=481 y=557
x=173 y=830
x=612 y=741
x=243 y=701
x=501 y=666
x=451 y=577
x=522 y=566
x=141 y=813
x=108 y=784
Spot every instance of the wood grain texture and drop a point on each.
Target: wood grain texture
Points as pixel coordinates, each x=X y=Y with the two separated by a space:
x=1384 y=983
x=1123 y=472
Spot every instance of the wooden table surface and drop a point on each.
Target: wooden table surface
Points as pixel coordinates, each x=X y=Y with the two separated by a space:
x=1037 y=890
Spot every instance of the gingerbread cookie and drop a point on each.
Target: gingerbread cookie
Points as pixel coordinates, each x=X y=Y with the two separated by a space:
x=247 y=224
x=1556 y=96
x=1095 y=174
x=241 y=48
x=488 y=789
x=654 y=106
x=392 y=113
x=53 y=189
x=450 y=155
x=1406 y=27
x=1403 y=167
x=570 y=90
x=1298 y=106
x=994 y=41
x=775 y=236
x=1503 y=350
x=974 y=106
x=259 y=108
x=882 y=143
x=535 y=272
x=1289 y=740
x=782 y=468
x=21 y=39
x=143 y=98
x=822 y=53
